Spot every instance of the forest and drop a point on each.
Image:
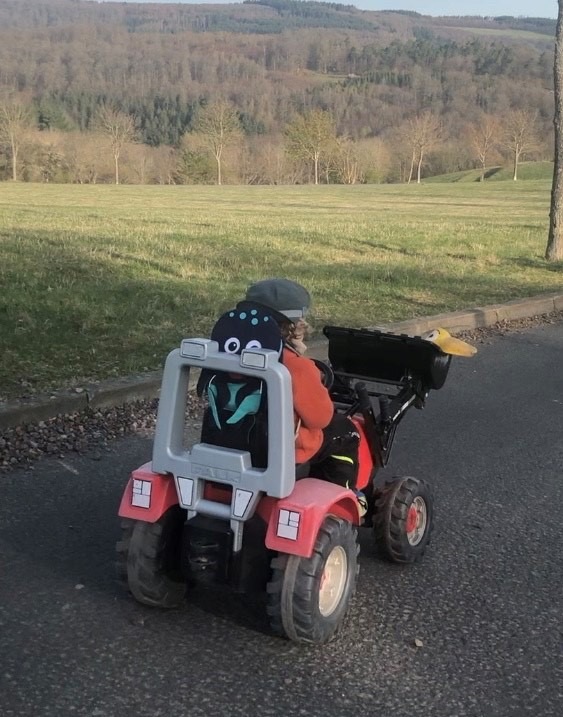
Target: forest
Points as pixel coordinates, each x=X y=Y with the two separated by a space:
x=310 y=91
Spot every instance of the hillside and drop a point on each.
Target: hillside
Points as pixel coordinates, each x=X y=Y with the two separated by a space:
x=273 y=59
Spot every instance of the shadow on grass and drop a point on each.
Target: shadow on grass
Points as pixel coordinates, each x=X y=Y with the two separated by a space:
x=490 y=173
x=537 y=263
x=68 y=315
x=378 y=246
x=405 y=289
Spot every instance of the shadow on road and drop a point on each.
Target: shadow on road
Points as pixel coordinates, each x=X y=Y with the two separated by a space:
x=67 y=520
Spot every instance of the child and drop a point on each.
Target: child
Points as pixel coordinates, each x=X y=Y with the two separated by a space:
x=326 y=439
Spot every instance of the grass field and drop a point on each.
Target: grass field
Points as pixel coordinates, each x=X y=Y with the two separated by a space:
x=526 y=171
x=509 y=33
x=100 y=281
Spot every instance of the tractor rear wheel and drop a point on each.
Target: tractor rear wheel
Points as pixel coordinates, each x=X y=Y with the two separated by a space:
x=403 y=519
x=148 y=559
x=308 y=598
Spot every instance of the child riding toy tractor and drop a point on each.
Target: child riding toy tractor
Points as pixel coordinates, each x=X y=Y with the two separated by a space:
x=234 y=508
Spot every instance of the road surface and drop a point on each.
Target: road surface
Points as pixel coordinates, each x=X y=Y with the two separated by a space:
x=486 y=603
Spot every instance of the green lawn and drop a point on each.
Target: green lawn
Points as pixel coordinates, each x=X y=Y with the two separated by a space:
x=526 y=171
x=100 y=281
x=508 y=33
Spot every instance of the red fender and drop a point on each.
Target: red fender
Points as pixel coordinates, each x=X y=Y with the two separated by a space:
x=365 y=460
x=147 y=495
x=295 y=521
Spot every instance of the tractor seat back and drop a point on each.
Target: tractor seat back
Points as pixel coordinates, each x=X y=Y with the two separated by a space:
x=237 y=412
x=236 y=415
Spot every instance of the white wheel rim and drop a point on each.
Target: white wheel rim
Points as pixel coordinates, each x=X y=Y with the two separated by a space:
x=418 y=516
x=333 y=581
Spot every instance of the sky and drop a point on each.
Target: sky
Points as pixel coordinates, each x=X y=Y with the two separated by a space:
x=527 y=8
x=540 y=8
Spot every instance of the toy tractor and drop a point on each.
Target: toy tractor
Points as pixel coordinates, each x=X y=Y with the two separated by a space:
x=247 y=515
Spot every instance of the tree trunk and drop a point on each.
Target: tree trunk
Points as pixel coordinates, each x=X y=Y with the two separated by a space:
x=418 y=169
x=219 y=177
x=14 y=163
x=411 y=169
x=515 y=173
x=554 y=251
x=316 y=161
x=116 y=157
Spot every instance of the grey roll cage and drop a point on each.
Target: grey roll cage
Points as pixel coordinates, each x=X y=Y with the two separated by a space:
x=192 y=467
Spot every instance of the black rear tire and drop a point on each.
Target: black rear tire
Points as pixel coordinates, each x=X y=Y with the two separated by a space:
x=148 y=559
x=403 y=519
x=300 y=607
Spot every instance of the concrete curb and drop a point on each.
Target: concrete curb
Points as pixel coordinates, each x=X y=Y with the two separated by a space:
x=482 y=317
x=146 y=386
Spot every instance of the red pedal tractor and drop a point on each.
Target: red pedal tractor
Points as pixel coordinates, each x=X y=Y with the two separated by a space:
x=245 y=514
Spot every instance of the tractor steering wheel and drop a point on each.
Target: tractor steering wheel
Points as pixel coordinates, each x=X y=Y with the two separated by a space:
x=327 y=374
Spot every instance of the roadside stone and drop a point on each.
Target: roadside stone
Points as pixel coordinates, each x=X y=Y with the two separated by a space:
x=80 y=432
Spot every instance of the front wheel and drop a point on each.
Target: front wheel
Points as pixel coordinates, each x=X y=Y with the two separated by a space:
x=148 y=559
x=308 y=597
x=403 y=519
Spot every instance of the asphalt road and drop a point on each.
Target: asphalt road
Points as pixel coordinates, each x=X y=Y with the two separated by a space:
x=486 y=602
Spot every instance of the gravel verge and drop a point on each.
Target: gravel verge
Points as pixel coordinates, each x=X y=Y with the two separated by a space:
x=93 y=431
x=89 y=432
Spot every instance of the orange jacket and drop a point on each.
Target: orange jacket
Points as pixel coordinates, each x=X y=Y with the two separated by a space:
x=312 y=404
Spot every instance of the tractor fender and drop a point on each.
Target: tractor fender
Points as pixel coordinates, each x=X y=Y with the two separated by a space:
x=147 y=495
x=365 y=460
x=295 y=521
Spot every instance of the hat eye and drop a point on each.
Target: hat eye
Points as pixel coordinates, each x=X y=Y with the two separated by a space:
x=254 y=344
x=232 y=345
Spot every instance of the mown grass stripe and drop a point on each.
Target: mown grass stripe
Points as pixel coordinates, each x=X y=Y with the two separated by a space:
x=102 y=280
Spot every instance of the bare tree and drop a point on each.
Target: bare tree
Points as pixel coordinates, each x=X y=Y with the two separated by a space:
x=120 y=129
x=218 y=127
x=274 y=165
x=48 y=164
x=422 y=134
x=15 y=120
x=309 y=136
x=347 y=161
x=82 y=157
x=554 y=251
x=483 y=136
x=519 y=135
x=164 y=159
x=375 y=158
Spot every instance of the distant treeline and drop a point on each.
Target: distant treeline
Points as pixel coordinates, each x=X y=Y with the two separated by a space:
x=273 y=61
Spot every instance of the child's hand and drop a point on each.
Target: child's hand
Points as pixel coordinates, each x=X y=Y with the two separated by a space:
x=299 y=346
x=301 y=331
